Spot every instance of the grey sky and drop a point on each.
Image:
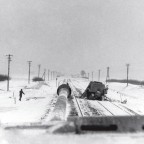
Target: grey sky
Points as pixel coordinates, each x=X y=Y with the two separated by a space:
x=71 y=35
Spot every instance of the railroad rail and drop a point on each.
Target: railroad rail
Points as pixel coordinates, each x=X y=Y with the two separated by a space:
x=107 y=105
x=74 y=94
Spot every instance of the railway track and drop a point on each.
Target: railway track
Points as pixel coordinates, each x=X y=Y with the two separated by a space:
x=79 y=108
x=82 y=104
x=76 y=103
x=87 y=108
x=90 y=110
x=99 y=108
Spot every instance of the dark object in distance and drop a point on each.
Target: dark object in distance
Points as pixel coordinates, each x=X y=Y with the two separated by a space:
x=131 y=81
x=20 y=94
x=37 y=79
x=95 y=91
x=4 y=77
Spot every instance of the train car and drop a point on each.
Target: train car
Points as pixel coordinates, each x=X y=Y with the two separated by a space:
x=95 y=91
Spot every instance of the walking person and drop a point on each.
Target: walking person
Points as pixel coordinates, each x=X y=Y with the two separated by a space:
x=20 y=94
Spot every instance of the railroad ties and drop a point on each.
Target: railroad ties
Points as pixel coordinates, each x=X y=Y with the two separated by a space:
x=67 y=107
x=87 y=108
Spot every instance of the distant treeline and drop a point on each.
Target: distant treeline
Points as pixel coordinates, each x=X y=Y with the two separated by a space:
x=3 y=77
x=131 y=81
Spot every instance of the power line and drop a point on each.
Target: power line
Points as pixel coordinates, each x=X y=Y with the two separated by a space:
x=9 y=60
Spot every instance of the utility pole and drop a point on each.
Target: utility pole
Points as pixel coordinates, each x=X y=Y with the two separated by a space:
x=9 y=60
x=107 y=76
x=51 y=75
x=43 y=76
x=39 y=66
x=54 y=74
x=127 y=65
x=99 y=71
x=48 y=75
x=29 y=62
x=56 y=81
x=44 y=73
x=92 y=76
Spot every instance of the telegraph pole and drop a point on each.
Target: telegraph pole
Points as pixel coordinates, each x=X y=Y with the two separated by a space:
x=39 y=66
x=44 y=73
x=99 y=71
x=9 y=60
x=54 y=74
x=29 y=62
x=48 y=75
x=43 y=76
x=127 y=65
x=51 y=75
x=107 y=77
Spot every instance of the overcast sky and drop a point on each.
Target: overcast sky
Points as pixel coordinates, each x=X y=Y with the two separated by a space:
x=71 y=35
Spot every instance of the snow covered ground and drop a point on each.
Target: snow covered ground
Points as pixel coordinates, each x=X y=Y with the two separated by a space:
x=39 y=98
x=133 y=94
x=123 y=100
x=32 y=137
x=34 y=103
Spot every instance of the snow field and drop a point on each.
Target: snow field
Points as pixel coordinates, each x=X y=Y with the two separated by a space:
x=38 y=103
x=34 y=103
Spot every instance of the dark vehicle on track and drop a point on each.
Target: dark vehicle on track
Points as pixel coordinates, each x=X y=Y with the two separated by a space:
x=95 y=91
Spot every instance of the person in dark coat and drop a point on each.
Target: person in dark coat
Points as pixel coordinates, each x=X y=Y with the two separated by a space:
x=20 y=94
